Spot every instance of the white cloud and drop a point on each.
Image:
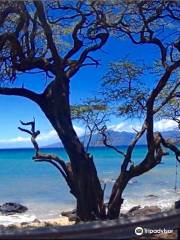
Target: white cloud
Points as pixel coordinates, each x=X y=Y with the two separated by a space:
x=161 y=125
x=80 y=131
x=165 y=125
x=125 y=126
x=15 y=140
x=50 y=136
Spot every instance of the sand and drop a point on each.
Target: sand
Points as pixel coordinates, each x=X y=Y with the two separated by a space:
x=61 y=221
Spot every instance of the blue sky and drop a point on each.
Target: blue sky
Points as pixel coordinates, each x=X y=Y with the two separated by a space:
x=85 y=84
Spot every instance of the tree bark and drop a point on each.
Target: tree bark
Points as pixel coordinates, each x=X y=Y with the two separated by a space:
x=116 y=199
x=88 y=191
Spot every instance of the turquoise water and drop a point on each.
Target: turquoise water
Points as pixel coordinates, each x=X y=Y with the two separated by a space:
x=40 y=187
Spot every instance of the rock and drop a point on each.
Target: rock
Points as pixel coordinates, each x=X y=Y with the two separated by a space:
x=36 y=221
x=47 y=224
x=12 y=208
x=73 y=217
x=145 y=211
x=68 y=213
x=24 y=223
x=134 y=209
x=12 y=227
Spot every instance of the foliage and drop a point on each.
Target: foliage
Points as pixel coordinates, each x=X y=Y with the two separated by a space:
x=93 y=114
x=33 y=33
x=123 y=86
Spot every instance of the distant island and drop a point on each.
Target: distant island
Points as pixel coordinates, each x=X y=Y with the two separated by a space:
x=119 y=138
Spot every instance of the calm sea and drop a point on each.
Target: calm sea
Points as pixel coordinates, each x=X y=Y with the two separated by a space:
x=42 y=189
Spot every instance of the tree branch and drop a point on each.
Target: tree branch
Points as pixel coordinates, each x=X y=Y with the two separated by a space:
x=77 y=42
x=102 y=38
x=130 y=149
x=150 y=162
x=105 y=141
x=171 y=146
x=162 y=82
x=170 y=96
x=150 y=104
x=41 y=156
x=38 y=159
x=23 y=92
x=48 y=31
x=50 y=158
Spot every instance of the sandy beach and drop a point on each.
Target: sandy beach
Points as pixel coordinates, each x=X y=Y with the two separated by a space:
x=64 y=221
x=61 y=221
x=40 y=224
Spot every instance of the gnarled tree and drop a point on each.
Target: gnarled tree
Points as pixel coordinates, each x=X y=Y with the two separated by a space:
x=151 y=23
x=33 y=36
x=131 y=96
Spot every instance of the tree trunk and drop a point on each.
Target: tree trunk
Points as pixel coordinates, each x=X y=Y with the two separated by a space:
x=116 y=199
x=88 y=191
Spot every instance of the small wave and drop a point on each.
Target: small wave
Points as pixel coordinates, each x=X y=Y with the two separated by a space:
x=107 y=180
x=132 y=182
x=7 y=220
x=164 y=202
x=108 y=172
x=111 y=181
x=151 y=196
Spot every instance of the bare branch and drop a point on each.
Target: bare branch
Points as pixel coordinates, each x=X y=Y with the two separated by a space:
x=130 y=148
x=102 y=131
x=41 y=157
x=24 y=130
x=171 y=146
x=33 y=133
x=54 y=164
x=102 y=37
x=23 y=92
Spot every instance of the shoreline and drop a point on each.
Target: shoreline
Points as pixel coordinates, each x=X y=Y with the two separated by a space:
x=62 y=218
x=62 y=221
x=36 y=223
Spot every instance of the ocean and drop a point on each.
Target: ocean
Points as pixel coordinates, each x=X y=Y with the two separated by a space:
x=40 y=187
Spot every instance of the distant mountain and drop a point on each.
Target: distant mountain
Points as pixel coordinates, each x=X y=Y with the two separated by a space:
x=53 y=145
x=119 y=138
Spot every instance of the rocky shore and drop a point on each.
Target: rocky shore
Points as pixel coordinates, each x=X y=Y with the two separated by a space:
x=69 y=217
